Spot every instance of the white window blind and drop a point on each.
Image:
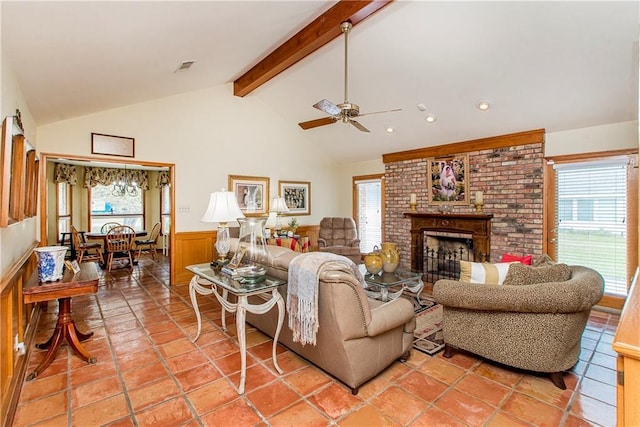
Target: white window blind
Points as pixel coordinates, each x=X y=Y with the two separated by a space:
x=592 y=219
x=369 y=199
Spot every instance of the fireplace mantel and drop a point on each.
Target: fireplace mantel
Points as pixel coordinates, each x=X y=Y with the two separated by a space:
x=477 y=225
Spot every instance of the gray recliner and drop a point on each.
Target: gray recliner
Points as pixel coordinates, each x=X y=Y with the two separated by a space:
x=340 y=236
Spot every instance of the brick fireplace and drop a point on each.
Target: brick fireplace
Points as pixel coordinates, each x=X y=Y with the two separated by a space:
x=508 y=169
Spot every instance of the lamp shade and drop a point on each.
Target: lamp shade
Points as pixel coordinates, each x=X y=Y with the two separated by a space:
x=222 y=208
x=271 y=220
x=278 y=205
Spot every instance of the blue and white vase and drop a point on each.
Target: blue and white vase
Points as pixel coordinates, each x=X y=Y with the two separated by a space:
x=50 y=262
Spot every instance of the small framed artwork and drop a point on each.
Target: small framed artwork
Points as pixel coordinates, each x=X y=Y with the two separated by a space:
x=112 y=145
x=73 y=266
x=447 y=180
x=237 y=257
x=297 y=196
x=252 y=194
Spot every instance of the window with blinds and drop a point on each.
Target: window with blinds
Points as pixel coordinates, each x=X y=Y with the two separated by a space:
x=369 y=213
x=591 y=203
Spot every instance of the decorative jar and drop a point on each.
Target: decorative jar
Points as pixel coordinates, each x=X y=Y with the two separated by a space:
x=373 y=261
x=390 y=256
x=50 y=262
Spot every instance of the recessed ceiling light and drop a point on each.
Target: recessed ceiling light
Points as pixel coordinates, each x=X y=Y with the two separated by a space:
x=430 y=118
x=390 y=129
x=185 y=65
x=482 y=105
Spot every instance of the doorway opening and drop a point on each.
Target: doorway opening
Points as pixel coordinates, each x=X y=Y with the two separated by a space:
x=81 y=211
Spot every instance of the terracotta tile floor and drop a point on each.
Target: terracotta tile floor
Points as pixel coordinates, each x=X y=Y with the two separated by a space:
x=150 y=373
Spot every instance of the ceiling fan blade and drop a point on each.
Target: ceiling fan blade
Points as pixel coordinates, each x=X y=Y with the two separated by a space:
x=379 y=112
x=358 y=126
x=328 y=107
x=317 y=122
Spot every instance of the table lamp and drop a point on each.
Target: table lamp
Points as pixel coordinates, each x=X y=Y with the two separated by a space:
x=222 y=209
x=279 y=206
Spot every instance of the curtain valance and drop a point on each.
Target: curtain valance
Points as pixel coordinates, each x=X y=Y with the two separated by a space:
x=65 y=173
x=108 y=176
x=163 y=179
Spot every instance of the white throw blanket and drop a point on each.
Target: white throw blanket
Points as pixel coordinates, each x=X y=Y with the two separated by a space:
x=302 y=294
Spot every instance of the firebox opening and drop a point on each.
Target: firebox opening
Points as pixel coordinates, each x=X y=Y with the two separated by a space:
x=443 y=252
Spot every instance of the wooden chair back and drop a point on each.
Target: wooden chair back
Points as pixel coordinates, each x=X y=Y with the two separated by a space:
x=108 y=226
x=155 y=232
x=120 y=239
x=77 y=240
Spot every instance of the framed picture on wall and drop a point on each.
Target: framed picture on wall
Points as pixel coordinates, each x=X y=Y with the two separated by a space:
x=297 y=196
x=447 y=180
x=112 y=145
x=252 y=194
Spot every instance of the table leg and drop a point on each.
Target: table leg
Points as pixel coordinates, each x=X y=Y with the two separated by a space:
x=280 y=303
x=242 y=340
x=65 y=328
x=223 y=313
x=196 y=288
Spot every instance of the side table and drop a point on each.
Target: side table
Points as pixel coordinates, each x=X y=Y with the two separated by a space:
x=208 y=281
x=71 y=285
x=389 y=286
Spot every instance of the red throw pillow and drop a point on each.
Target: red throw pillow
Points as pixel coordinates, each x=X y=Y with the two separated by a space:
x=513 y=258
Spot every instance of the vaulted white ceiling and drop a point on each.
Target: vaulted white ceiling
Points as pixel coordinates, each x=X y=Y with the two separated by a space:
x=552 y=65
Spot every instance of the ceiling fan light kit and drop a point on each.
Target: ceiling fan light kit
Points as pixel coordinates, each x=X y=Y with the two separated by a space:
x=345 y=112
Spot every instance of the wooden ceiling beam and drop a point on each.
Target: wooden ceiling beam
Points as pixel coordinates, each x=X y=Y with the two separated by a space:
x=311 y=38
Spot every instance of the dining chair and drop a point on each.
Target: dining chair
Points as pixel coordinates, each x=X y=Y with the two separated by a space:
x=149 y=245
x=120 y=244
x=86 y=251
x=108 y=226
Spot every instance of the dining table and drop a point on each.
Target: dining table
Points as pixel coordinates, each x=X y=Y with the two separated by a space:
x=103 y=236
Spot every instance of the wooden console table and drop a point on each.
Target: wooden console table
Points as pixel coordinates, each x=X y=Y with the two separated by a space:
x=71 y=285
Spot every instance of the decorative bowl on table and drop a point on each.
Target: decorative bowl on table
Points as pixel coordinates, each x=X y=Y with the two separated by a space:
x=251 y=274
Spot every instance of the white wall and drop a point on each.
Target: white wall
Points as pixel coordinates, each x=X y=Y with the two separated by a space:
x=592 y=139
x=15 y=239
x=208 y=134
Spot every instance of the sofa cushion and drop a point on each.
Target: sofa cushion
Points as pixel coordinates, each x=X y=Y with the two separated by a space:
x=483 y=273
x=520 y=274
x=542 y=260
x=514 y=258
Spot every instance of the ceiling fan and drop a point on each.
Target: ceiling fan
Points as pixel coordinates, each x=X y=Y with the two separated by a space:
x=347 y=111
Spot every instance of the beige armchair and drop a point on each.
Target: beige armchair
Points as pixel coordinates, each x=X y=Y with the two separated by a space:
x=340 y=236
x=534 y=327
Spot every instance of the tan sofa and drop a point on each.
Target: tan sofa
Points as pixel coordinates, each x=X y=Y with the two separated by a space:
x=534 y=327
x=357 y=337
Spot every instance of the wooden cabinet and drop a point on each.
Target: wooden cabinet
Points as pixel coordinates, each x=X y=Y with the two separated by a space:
x=627 y=344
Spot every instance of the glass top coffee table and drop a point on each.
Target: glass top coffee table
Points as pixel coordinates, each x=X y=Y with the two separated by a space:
x=389 y=286
x=208 y=281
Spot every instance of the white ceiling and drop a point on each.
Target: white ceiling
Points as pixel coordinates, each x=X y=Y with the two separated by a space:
x=552 y=65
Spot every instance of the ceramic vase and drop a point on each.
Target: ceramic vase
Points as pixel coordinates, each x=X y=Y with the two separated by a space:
x=390 y=256
x=373 y=261
x=50 y=262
